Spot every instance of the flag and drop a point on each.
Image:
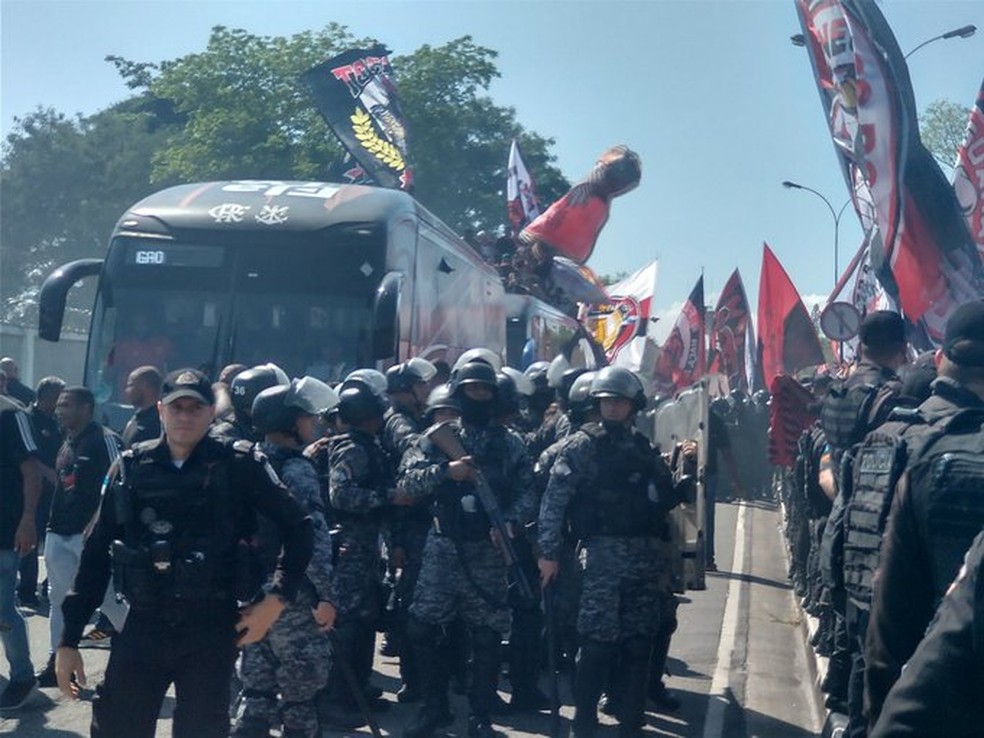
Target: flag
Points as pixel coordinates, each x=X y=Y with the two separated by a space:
x=355 y=94
x=728 y=335
x=625 y=326
x=681 y=360
x=920 y=248
x=787 y=339
x=520 y=193
x=968 y=176
x=572 y=224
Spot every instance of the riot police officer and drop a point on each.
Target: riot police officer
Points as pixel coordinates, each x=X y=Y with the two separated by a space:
x=174 y=514
x=359 y=486
x=616 y=490
x=243 y=391
x=282 y=673
x=463 y=573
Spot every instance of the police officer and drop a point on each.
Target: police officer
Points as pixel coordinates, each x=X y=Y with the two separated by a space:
x=243 y=391
x=408 y=386
x=282 y=673
x=463 y=573
x=359 y=486
x=173 y=516
x=941 y=691
x=938 y=508
x=616 y=489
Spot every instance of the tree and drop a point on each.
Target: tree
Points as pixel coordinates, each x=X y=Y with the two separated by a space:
x=248 y=116
x=65 y=181
x=942 y=127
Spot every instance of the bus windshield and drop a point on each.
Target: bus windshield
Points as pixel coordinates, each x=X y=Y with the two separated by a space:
x=304 y=305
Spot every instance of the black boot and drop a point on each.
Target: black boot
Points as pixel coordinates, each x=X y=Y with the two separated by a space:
x=483 y=697
x=658 y=694
x=594 y=664
x=427 y=642
x=46 y=677
x=633 y=679
x=524 y=660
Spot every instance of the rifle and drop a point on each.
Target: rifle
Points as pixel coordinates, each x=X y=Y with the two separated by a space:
x=446 y=440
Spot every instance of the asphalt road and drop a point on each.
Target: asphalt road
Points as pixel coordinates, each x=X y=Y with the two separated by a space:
x=738 y=662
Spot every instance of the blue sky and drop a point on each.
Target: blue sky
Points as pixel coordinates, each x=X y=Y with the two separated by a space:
x=717 y=101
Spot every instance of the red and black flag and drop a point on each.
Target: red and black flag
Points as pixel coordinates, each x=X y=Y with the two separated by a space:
x=681 y=360
x=355 y=94
x=921 y=249
x=787 y=339
x=729 y=335
x=968 y=176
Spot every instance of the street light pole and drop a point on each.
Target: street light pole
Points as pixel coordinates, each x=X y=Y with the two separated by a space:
x=962 y=32
x=836 y=215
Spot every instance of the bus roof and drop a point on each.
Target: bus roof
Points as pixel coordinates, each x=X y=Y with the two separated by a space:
x=294 y=206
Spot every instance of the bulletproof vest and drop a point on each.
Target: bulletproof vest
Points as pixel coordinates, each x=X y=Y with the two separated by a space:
x=876 y=467
x=181 y=533
x=950 y=512
x=857 y=406
x=378 y=475
x=458 y=510
x=623 y=499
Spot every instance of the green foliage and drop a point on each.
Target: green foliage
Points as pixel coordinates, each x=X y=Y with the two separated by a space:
x=609 y=279
x=942 y=127
x=237 y=110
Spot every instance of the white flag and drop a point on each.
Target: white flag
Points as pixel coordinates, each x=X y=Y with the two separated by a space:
x=628 y=324
x=520 y=194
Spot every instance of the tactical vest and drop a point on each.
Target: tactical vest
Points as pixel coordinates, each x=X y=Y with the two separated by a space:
x=378 y=477
x=855 y=407
x=952 y=514
x=181 y=533
x=458 y=511
x=876 y=467
x=623 y=500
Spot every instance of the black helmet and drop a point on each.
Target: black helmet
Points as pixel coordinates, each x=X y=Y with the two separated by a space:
x=359 y=401
x=537 y=373
x=441 y=398
x=617 y=381
x=249 y=383
x=477 y=354
x=507 y=396
x=402 y=377
x=277 y=408
x=567 y=380
x=375 y=379
x=579 y=397
x=475 y=372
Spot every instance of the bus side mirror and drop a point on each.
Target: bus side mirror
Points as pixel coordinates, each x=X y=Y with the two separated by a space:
x=54 y=291
x=386 y=316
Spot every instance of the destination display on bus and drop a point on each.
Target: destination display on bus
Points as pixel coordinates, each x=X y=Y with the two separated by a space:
x=157 y=254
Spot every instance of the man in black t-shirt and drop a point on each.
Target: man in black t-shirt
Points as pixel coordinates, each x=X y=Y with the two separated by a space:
x=20 y=487
x=83 y=460
x=143 y=390
x=48 y=437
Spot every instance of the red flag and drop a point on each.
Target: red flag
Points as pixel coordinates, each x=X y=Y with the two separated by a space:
x=681 y=359
x=787 y=339
x=728 y=332
x=968 y=176
x=520 y=193
x=572 y=224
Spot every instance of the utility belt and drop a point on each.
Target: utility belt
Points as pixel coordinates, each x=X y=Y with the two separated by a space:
x=147 y=576
x=462 y=519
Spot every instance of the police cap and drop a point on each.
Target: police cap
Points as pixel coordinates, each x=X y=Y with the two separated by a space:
x=963 y=339
x=882 y=329
x=187 y=383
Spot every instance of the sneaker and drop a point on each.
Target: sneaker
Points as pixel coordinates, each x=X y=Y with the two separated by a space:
x=16 y=694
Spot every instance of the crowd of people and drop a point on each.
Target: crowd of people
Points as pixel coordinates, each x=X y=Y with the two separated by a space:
x=883 y=500
x=281 y=523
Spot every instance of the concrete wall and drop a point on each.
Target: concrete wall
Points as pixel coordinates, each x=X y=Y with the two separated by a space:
x=37 y=358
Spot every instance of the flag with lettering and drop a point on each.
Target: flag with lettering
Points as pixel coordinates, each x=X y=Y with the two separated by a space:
x=921 y=250
x=728 y=335
x=520 y=193
x=681 y=360
x=787 y=338
x=968 y=176
x=356 y=95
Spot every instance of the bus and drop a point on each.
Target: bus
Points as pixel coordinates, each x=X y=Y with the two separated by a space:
x=320 y=278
